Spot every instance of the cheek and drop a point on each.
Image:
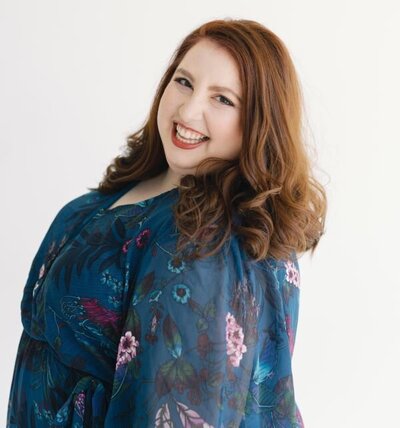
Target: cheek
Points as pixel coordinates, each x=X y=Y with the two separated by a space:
x=169 y=99
x=227 y=128
x=163 y=108
x=229 y=133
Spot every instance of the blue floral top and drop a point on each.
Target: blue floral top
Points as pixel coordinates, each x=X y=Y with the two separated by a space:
x=120 y=331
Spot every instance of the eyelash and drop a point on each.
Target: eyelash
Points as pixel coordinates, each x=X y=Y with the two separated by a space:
x=182 y=78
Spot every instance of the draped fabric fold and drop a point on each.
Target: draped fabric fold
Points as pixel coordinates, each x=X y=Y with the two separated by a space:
x=120 y=331
x=41 y=382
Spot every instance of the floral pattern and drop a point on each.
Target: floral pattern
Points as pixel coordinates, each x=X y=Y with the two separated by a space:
x=234 y=340
x=127 y=349
x=119 y=329
x=181 y=293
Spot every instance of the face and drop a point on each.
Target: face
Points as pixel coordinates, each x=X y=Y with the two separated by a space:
x=193 y=100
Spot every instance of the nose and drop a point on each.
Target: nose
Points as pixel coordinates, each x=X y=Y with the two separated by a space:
x=191 y=110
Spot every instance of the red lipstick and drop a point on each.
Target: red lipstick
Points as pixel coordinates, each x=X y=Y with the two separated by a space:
x=180 y=143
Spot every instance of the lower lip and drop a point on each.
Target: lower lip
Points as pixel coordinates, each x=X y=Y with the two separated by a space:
x=181 y=144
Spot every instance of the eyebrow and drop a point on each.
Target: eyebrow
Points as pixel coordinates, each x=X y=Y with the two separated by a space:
x=213 y=88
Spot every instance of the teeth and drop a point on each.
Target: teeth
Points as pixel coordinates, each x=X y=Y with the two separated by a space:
x=184 y=140
x=189 y=135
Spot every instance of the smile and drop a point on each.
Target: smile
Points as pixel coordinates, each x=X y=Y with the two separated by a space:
x=189 y=134
x=186 y=143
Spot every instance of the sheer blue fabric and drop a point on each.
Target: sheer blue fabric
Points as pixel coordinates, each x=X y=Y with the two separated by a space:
x=120 y=331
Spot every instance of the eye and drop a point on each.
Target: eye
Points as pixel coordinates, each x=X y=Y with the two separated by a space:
x=228 y=102
x=182 y=78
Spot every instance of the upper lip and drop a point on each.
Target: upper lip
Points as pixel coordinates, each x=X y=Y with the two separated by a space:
x=190 y=129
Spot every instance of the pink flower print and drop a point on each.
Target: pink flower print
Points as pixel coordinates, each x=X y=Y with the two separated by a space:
x=125 y=246
x=292 y=274
x=126 y=349
x=234 y=340
x=121 y=360
x=80 y=404
x=142 y=238
x=41 y=272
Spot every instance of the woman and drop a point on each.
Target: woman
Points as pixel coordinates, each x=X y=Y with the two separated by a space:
x=168 y=296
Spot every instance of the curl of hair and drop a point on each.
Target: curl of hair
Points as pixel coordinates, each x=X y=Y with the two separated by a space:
x=268 y=196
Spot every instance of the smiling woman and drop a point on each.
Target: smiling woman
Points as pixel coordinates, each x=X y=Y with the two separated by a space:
x=200 y=109
x=128 y=321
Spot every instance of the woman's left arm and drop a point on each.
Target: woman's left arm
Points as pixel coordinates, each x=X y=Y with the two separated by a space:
x=206 y=343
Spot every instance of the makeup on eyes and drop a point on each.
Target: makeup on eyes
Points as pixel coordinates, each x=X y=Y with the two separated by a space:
x=230 y=103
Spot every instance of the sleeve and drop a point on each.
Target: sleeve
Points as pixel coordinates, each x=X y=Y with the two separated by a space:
x=67 y=218
x=207 y=343
x=43 y=256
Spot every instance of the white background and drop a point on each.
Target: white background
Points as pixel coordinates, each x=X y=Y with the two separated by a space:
x=76 y=77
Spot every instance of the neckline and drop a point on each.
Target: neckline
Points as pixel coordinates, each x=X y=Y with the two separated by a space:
x=143 y=203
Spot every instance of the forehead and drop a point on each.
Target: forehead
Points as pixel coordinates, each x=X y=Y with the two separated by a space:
x=207 y=60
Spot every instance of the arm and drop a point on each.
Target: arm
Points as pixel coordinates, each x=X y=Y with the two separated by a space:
x=203 y=344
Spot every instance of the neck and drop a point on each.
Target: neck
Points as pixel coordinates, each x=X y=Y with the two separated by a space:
x=167 y=180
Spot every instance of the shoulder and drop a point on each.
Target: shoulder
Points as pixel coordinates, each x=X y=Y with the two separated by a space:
x=74 y=212
x=231 y=258
x=88 y=200
x=80 y=206
x=159 y=250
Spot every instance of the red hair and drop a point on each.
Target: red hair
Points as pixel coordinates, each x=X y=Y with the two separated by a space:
x=268 y=195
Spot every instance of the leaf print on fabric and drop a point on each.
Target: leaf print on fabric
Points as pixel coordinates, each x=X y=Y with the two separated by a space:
x=175 y=374
x=243 y=304
x=204 y=345
x=120 y=273
x=154 y=296
x=206 y=313
x=163 y=417
x=133 y=323
x=190 y=418
x=102 y=247
x=41 y=414
x=272 y=293
x=209 y=310
x=172 y=338
x=284 y=411
x=266 y=361
x=143 y=288
x=262 y=398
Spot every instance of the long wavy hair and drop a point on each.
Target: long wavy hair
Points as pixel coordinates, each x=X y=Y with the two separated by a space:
x=268 y=196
